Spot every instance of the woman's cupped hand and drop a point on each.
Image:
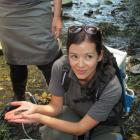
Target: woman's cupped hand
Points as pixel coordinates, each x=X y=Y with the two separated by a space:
x=24 y=113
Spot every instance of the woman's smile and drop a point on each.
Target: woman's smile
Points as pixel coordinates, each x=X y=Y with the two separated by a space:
x=81 y=71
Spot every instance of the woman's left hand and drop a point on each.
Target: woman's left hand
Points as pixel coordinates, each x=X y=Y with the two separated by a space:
x=24 y=107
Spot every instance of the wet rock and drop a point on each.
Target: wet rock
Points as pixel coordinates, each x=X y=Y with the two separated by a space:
x=97 y=12
x=117 y=10
x=133 y=50
x=88 y=13
x=93 y=13
x=108 y=2
x=132 y=21
x=134 y=57
x=135 y=69
x=137 y=57
x=66 y=16
x=108 y=28
x=67 y=3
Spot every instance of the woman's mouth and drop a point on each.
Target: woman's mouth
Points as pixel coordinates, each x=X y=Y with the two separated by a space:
x=81 y=72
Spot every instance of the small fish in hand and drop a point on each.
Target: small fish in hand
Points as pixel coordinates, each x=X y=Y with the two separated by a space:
x=20 y=111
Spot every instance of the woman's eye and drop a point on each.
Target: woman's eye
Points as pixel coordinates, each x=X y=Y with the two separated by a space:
x=89 y=57
x=74 y=57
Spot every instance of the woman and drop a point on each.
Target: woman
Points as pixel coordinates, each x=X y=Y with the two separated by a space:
x=28 y=32
x=77 y=110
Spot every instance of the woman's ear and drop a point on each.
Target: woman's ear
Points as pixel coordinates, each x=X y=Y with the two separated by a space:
x=101 y=56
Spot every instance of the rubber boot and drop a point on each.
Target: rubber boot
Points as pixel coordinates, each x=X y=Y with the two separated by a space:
x=19 y=91
x=19 y=76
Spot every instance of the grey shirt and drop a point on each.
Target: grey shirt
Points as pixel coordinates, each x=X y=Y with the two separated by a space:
x=99 y=110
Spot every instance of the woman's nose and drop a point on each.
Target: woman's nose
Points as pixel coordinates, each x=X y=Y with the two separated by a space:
x=81 y=62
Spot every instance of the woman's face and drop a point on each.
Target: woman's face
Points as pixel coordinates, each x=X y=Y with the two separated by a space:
x=83 y=59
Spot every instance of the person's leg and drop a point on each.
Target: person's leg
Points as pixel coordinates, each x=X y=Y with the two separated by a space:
x=108 y=136
x=46 y=69
x=52 y=134
x=18 y=75
x=106 y=132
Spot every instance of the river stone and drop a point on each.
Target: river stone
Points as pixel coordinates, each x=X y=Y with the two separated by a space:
x=67 y=3
x=135 y=69
x=137 y=57
x=66 y=16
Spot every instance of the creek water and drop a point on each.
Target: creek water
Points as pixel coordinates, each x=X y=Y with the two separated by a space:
x=119 y=20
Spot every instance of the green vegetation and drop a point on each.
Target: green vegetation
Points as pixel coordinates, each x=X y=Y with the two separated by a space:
x=4 y=131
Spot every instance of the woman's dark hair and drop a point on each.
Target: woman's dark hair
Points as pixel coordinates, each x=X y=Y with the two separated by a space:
x=78 y=38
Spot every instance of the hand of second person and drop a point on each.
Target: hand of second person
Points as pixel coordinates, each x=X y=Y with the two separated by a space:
x=56 y=26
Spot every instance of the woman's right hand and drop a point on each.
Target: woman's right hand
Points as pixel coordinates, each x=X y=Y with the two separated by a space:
x=24 y=106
